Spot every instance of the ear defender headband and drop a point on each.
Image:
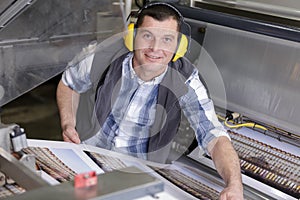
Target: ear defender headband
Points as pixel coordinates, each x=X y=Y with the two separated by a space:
x=184 y=37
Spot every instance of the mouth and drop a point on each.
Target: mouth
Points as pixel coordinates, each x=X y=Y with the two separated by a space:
x=153 y=57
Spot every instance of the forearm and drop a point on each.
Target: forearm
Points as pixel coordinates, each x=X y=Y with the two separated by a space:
x=67 y=102
x=226 y=161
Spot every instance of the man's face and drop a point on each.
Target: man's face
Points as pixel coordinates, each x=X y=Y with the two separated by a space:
x=155 y=44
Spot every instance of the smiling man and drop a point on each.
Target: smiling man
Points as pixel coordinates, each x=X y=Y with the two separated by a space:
x=155 y=44
x=141 y=97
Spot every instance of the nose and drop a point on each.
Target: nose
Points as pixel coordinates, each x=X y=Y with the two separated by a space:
x=155 y=45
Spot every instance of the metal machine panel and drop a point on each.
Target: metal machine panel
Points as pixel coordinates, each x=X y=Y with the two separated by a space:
x=253 y=60
x=39 y=41
x=260 y=74
x=282 y=8
x=127 y=184
x=257 y=56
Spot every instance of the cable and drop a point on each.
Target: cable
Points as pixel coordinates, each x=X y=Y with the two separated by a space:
x=231 y=116
x=251 y=125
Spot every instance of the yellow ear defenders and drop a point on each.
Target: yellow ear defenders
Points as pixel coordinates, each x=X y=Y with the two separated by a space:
x=182 y=47
x=129 y=37
x=183 y=42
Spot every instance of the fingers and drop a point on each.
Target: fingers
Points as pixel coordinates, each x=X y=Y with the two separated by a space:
x=231 y=193
x=71 y=135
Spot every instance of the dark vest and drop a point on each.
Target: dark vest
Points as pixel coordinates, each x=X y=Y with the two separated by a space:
x=166 y=123
x=171 y=88
x=107 y=51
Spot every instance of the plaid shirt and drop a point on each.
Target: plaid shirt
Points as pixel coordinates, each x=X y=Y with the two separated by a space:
x=127 y=126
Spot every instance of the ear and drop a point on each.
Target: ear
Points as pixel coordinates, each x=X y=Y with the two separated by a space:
x=129 y=37
x=182 y=47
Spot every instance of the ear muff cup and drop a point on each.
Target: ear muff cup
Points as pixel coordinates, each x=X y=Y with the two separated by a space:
x=182 y=47
x=129 y=37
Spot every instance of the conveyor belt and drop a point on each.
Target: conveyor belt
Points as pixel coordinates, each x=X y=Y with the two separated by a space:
x=188 y=184
x=48 y=162
x=184 y=177
x=106 y=163
x=268 y=164
x=10 y=189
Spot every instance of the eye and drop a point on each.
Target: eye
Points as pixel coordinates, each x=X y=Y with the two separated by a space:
x=147 y=36
x=167 y=39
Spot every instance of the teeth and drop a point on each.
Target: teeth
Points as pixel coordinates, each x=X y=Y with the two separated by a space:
x=153 y=56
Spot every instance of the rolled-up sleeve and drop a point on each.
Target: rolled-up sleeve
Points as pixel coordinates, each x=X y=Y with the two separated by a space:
x=199 y=110
x=77 y=74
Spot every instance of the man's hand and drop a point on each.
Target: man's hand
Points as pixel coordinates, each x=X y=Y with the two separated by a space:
x=70 y=135
x=67 y=102
x=228 y=166
x=233 y=192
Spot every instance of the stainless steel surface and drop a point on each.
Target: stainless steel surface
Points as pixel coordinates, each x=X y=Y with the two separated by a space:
x=5 y=142
x=42 y=39
x=127 y=184
x=281 y=8
x=260 y=74
x=11 y=11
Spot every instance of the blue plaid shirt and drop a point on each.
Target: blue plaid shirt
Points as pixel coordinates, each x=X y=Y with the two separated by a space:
x=127 y=127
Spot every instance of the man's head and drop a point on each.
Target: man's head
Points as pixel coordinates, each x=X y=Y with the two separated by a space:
x=161 y=11
x=156 y=36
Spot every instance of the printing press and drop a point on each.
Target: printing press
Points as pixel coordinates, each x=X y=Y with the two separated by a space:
x=247 y=53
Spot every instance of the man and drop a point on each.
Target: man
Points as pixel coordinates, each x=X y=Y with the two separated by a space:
x=139 y=100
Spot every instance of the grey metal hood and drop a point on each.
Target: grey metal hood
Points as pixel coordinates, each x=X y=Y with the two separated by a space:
x=39 y=37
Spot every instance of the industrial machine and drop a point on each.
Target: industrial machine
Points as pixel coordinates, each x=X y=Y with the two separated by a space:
x=254 y=46
x=248 y=54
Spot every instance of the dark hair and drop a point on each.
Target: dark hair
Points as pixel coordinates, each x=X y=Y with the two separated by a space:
x=159 y=12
